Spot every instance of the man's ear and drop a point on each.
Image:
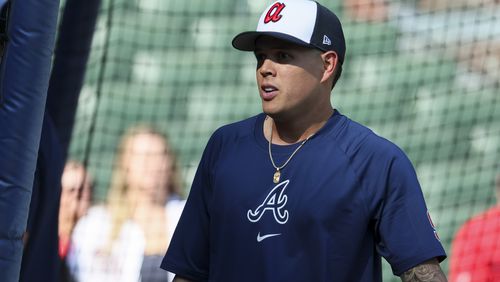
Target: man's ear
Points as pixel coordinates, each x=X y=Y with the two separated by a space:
x=330 y=61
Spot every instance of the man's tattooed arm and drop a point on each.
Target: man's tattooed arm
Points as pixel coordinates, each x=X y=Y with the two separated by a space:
x=429 y=271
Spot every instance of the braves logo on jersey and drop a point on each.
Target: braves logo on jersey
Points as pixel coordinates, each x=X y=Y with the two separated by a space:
x=273 y=15
x=274 y=202
x=433 y=226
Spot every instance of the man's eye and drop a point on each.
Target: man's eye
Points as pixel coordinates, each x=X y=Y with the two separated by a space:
x=283 y=56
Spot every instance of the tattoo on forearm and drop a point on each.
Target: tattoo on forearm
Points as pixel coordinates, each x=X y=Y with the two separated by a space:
x=428 y=272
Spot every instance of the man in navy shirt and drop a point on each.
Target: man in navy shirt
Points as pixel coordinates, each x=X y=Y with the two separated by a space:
x=301 y=192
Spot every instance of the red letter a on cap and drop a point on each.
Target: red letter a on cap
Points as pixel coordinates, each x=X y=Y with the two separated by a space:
x=274 y=12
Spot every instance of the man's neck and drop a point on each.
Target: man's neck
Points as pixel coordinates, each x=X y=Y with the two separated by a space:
x=290 y=131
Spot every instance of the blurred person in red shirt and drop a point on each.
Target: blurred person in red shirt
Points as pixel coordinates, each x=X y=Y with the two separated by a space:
x=75 y=200
x=76 y=194
x=476 y=247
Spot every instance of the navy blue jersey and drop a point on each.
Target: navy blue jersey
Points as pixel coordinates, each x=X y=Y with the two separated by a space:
x=346 y=199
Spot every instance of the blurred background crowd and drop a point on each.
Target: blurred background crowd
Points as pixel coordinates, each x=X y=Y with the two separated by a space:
x=162 y=76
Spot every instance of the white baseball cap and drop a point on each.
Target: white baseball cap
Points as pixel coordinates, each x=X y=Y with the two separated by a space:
x=303 y=22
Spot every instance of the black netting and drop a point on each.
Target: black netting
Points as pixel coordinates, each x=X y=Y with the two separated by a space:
x=425 y=74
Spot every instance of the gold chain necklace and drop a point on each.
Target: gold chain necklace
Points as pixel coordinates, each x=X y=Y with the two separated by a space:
x=277 y=174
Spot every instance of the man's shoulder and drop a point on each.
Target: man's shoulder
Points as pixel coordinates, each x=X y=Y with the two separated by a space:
x=355 y=138
x=231 y=133
x=239 y=128
x=244 y=124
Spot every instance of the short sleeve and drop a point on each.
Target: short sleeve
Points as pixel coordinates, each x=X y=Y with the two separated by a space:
x=405 y=232
x=188 y=252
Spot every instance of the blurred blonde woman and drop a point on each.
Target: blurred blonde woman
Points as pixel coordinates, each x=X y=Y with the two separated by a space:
x=125 y=239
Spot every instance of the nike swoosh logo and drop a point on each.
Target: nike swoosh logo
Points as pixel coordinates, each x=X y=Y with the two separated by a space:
x=263 y=237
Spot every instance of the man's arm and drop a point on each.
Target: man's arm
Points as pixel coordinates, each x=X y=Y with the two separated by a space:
x=180 y=279
x=429 y=271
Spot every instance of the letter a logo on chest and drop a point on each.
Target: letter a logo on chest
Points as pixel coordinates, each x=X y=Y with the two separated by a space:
x=274 y=202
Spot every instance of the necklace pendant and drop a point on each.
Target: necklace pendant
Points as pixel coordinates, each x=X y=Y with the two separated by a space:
x=276 y=177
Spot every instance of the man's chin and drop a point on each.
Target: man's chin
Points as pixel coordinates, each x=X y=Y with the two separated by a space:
x=269 y=109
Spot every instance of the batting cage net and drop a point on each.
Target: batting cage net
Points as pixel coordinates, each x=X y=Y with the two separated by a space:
x=424 y=74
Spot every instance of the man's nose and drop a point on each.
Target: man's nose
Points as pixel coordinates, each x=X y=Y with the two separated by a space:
x=267 y=68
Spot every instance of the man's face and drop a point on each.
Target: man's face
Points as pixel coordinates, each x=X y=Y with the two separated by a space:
x=288 y=78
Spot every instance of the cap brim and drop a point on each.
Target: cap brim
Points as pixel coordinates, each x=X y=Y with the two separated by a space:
x=245 y=41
